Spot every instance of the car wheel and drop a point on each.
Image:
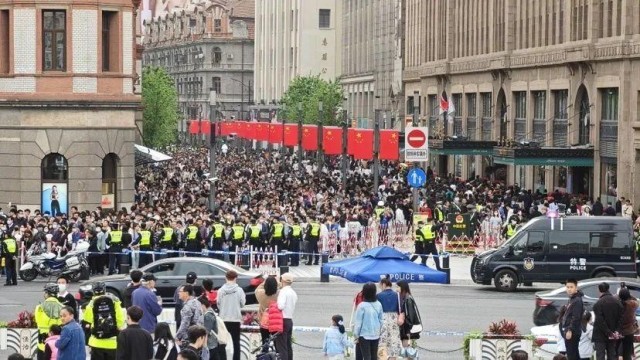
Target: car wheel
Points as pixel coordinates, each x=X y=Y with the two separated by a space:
x=506 y=280
x=603 y=274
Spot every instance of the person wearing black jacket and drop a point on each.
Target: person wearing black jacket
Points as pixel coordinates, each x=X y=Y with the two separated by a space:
x=136 y=277
x=134 y=342
x=571 y=321
x=608 y=310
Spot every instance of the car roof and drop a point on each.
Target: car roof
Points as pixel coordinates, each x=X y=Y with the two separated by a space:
x=592 y=282
x=578 y=223
x=216 y=262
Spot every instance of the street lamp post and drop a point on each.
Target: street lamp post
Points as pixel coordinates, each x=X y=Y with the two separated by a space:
x=212 y=149
x=320 y=154
x=300 y=138
x=414 y=191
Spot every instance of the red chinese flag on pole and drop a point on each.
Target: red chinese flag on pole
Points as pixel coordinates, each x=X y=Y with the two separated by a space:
x=332 y=140
x=360 y=144
x=205 y=127
x=291 y=135
x=275 y=133
x=261 y=131
x=194 y=127
x=389 y=149
x=309 y=137
x=248 y=132
x=225 y=128
x=233 y=127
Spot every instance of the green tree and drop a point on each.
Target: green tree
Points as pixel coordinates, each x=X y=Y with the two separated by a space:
x=309 y=91
x=160 y=102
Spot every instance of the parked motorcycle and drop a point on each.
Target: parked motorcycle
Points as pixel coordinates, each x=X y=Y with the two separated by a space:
x=73 y=265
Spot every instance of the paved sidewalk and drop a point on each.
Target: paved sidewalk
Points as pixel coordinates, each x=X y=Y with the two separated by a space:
x=460 y=266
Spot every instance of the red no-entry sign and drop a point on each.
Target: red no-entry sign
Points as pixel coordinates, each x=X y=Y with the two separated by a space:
x=416 y=144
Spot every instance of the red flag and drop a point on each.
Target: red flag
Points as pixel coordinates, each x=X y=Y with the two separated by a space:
x=261 y=131
x=360 y=143
x=194 y=127
x=275 y=133
x=247 y=130
x=310 y=137
x=225 y=128
x=291 y=135
x=233 y=127
x=444 y=103
x=332 y=140
x=205 y=127
x=389 y=149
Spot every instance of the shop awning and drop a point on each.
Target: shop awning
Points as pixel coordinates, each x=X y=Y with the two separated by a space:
x=544 y=156
x=461 y=147
x=144 y=155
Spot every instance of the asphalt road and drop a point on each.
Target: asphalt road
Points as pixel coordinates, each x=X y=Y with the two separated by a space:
x=444 y=308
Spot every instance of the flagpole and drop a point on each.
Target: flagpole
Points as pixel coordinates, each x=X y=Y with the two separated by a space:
x=376 y=150
x=319 y=138
x=345 y=158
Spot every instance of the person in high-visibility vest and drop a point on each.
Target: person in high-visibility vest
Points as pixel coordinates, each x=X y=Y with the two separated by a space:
x=277 y=233
x=46 y=314
x=379 y=210
x=193 y=239
x=104 y=317
x=237 y=239
x=254 y=231
x=510 y=229
x=313 y=235
x=146 y=245
x=295 y=239
x=168 y=239
x=217 y=237
x=439 y=214
x=425 y=242
x=114 y=241
x=9 y=255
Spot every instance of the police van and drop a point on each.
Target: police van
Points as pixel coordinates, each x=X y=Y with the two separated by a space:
x=553 y=250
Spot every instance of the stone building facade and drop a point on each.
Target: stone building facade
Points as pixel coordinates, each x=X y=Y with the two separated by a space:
x=205 y=46
x=562 y=74
x=295 y=38
x=372 y=65
x=67 y=103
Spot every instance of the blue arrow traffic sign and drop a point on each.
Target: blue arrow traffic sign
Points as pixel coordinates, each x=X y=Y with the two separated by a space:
x=416 y=177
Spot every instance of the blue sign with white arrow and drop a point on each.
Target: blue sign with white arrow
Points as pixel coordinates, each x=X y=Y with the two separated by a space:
x=416 y=177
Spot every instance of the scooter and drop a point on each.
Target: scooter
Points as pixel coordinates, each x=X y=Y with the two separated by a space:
x=73 y=265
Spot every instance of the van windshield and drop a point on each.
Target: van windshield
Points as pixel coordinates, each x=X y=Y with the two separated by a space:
x=516 y=235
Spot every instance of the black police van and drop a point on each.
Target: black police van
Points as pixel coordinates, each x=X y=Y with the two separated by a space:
x=553 y=250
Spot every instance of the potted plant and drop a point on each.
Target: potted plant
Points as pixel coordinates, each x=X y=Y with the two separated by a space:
x=502 y=337
x=20 y=335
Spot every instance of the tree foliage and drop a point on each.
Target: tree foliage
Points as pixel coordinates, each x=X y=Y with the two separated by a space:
x=309 y=91
x=160 y=102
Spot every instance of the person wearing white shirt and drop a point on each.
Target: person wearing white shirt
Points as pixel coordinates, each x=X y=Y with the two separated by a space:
x=585 y=346
x=287 y=299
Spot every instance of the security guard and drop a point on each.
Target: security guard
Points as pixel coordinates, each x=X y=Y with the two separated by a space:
x=217 y=237
x=145 y=245
x=379 y=210
x=114 y=241
x=439 y=214
x=254 y=231
x=193 y=239
x=237 y=238
x=295 y=238
x=9 y=255
x=425 y=242
x=104 y=318
x=277 y=233
x=46 y=314
x=511 y=228
x=168 y=238
x=313 y=236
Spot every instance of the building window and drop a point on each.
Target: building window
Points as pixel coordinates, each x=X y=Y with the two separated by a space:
x=54 y=40
x=457 y=120
x=560 y=116
x=433 y=114
x=217 y=25
x=520 y=128
x=110 y=53
x=487 y=122
x=217 y=56
x=109 y=181
x=471 y=116
x=216 y=85
x=324 y=18
x=4 y=42
x=609 y=124
x=539 y=117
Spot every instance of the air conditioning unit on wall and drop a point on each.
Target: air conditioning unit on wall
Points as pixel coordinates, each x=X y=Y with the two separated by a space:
x=229 y=56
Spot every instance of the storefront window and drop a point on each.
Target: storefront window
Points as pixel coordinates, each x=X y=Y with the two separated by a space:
x=520 y=176
x=610 y=179
x=560 y=178
x=458 y=165
x=539 y=178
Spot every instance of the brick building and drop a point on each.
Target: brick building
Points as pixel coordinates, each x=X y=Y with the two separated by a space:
x=562 y=74
x=67 y=103
x=203 y=46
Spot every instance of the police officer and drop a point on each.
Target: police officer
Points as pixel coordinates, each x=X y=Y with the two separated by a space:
x=104 y=318
x=313 y=236
x=217 y=237
x=193 y=239
x=114 y=241
x=145 y=245
x=379 y=210
x=9 y=254
x=254 y=231
x=511 y=228
x=46 y=314
x=277 y=233
x=425 y=242
x=295 y=238
x=168 y=238
x=237 y=238
x=439 y=214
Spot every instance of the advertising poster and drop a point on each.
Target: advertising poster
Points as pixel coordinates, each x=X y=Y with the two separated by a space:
x=54 y=198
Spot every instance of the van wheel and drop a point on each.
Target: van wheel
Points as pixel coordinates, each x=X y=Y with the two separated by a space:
x=603 y=274
x=506 y=280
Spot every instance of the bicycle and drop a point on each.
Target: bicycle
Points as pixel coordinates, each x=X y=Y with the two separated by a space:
x=267 y=349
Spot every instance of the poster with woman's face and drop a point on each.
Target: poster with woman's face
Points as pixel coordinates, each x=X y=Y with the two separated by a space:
x=54 y=198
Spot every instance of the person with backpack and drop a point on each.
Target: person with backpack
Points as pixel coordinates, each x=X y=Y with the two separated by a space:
x=104 y=317
x=216 y=343
x=47 y=314
x=165 y=346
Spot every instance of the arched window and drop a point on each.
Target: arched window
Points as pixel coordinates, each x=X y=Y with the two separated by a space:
x=54 y=177
x=109 y=181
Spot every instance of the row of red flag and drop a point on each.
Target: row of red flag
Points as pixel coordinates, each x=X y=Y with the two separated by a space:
x=359 y=141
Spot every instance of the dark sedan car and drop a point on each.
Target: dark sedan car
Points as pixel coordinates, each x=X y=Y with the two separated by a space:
x=172 y=273
x=549 y=303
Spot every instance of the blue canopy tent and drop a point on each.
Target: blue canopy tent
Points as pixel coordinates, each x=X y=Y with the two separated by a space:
x=381 y=261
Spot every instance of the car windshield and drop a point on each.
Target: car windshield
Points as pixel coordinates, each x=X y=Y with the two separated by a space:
x=515 y=236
